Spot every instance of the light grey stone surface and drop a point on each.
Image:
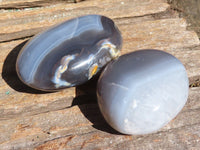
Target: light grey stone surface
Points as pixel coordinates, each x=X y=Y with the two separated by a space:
x=140 y=92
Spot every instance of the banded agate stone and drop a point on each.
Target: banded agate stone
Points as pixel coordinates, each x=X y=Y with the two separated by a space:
x=140 y=92
x=69 y=53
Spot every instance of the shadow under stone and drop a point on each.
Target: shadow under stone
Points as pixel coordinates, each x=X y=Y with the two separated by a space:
x=10 y=76
x=86 y=99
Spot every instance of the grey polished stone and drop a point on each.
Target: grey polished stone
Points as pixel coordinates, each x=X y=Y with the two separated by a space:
x=69 y=53
x=140 y=92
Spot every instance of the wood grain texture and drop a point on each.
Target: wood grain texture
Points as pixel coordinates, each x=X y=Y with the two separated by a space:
x=85 y=127
x=21 y=4
x=20 y=22
x=70 y=119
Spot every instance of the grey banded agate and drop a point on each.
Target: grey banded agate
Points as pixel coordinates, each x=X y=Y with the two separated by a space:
x=69 y=53
x=140 y=92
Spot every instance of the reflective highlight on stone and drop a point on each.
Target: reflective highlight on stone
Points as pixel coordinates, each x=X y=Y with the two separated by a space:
x=69 y=54
x=140 y=92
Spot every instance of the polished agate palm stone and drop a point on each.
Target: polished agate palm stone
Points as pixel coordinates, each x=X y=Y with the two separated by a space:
x=140 y=92
x=69 y=54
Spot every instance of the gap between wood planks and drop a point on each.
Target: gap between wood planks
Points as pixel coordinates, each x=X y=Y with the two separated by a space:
x=32 y=4
x=168 y=14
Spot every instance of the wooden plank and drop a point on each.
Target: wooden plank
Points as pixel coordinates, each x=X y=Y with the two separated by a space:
x=19 y=102
x=20 y=4
x=180 y=138
x=19 y=23
x=67 y=11
x=184 y=7
x=144 y=36
x=84 y=127
x=133 y=40
x=70 y=119
x=137 y=36
x=162 y=34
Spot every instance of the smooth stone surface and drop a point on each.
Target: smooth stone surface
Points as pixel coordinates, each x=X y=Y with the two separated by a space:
x=140 y=92
x=69 y=54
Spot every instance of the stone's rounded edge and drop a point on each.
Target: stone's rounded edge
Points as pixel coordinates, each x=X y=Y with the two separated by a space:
x=30 y=79
x=105 y=104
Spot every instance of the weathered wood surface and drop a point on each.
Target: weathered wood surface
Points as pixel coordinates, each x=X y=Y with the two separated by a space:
x=189 y=9
x=20 y=4
x=70 y=119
